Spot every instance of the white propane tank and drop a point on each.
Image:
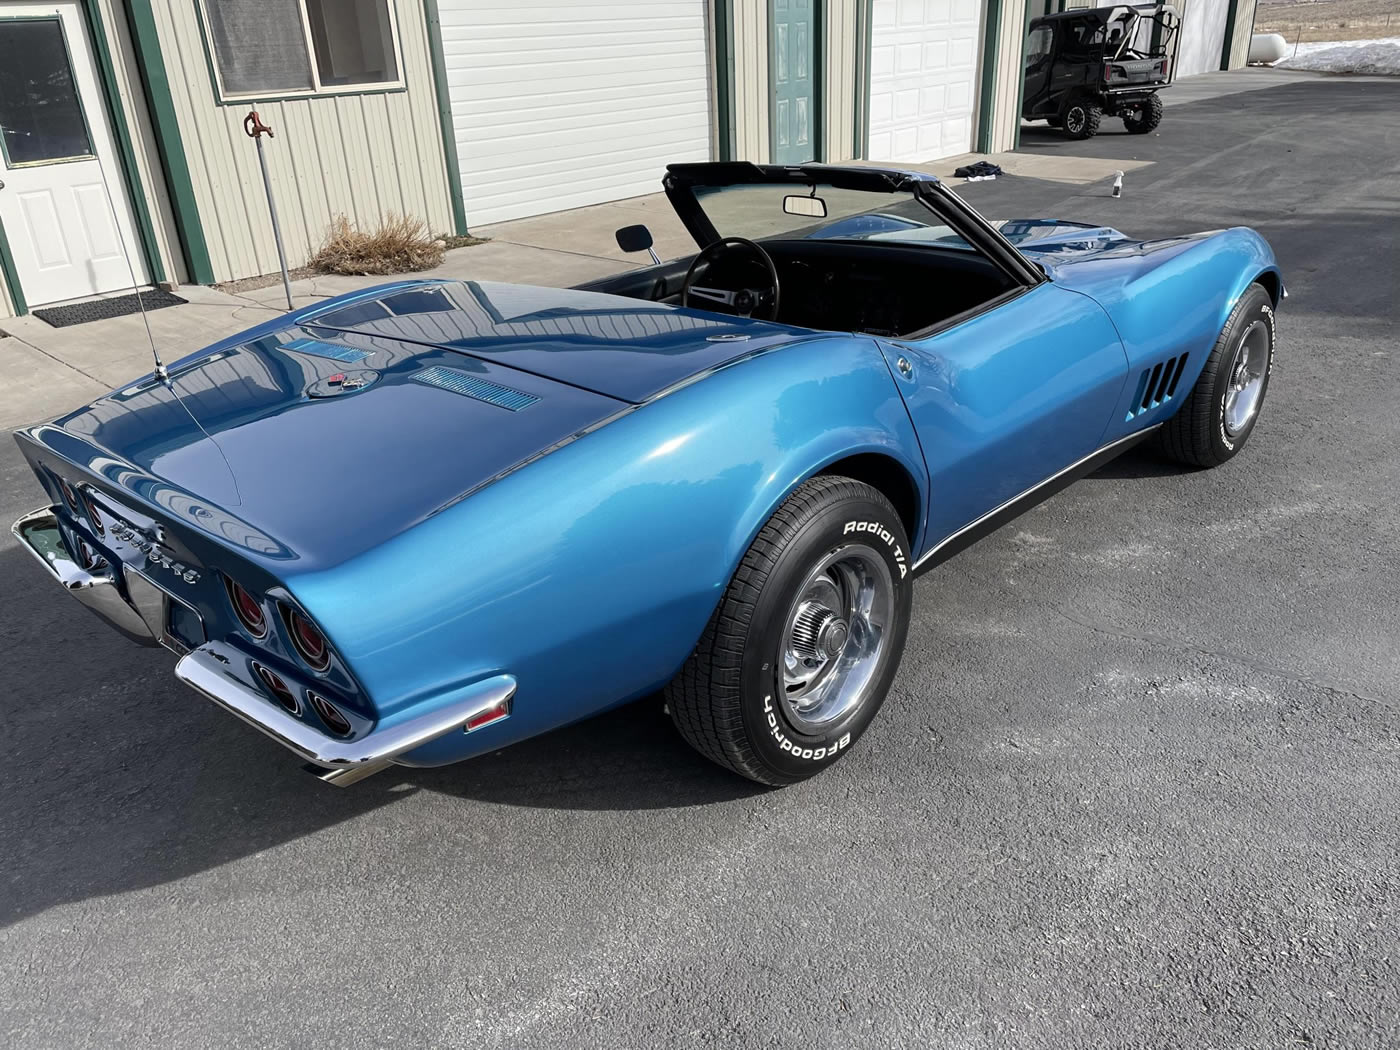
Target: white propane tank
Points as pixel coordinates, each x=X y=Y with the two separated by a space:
x=1266 y=48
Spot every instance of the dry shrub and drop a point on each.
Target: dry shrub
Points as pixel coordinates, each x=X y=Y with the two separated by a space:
x=400 y=245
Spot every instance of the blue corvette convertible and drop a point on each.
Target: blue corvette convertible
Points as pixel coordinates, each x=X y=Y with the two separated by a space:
x=424 y=521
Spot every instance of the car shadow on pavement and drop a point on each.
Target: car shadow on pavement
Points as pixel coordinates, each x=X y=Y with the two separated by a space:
x=1139 y=463
x=117 y=778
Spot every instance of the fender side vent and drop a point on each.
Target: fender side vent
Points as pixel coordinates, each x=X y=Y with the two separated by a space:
x=1157 y=385
x=316 y=348
x=468 y=385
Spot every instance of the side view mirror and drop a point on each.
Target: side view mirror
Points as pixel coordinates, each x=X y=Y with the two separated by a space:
x=637 y=239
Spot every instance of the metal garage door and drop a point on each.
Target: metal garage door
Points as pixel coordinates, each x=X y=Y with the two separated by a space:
x=557 y=105
x=923 y=75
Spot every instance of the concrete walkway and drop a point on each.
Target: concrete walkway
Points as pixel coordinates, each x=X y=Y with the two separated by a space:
x=52 y=370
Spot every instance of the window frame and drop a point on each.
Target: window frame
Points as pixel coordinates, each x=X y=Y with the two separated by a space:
x=318 y=90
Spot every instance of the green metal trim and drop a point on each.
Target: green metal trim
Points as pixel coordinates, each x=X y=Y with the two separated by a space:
x=1227 y=45
x=724 y=79
x=9 y=273
x=126 y=149
x=166 y=125
x=444 y=105
x=986 y=98
x=865 y=29
x=818 y=80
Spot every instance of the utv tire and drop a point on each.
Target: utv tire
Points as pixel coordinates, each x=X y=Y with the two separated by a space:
x=799 y=654
x=1219 y=414
x=1146 y=118
x=1081 y=118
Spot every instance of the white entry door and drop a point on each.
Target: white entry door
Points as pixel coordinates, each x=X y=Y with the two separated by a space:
x=67 y=238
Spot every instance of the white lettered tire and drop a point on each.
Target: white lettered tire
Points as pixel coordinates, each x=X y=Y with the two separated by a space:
x=801 y=651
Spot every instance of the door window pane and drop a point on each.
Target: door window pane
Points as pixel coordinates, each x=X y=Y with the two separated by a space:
x=353 y=40
x=260 y=46
x=40 y=116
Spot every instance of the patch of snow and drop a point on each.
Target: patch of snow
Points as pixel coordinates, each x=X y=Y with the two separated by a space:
x=1346 y=56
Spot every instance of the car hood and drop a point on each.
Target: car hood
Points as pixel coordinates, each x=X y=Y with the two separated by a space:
x=331 y=440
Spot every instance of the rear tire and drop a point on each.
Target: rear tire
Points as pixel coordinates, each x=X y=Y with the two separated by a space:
x=800 y=653
x=1218 y=416
x=1139 y=121
x=1081 y=118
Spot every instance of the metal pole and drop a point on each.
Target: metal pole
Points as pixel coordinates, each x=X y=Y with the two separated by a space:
x=255 y=128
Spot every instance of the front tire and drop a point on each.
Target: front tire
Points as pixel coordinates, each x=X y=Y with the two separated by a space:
x=801 y=651
x=1218 y=416
x=1141 y=120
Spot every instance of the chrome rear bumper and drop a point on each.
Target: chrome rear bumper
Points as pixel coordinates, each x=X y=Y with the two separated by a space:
x=213 y=670
x=38 y=533
x=139 y=610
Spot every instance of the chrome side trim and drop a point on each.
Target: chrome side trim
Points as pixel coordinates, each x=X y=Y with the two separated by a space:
x=210 y=670
x=38 y=533
x=1100 y=455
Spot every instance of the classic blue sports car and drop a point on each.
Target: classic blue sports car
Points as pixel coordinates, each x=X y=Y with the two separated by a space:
x=424 y=521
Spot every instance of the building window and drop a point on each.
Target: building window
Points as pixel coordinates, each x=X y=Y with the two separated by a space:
x=280 y=48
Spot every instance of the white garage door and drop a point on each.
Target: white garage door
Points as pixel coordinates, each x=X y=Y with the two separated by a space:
x=923 y=74
x=557 y=105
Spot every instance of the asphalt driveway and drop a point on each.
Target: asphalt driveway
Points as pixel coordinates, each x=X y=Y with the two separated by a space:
x=1136 y=784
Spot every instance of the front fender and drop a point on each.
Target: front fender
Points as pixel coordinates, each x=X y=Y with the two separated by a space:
x=590 y=574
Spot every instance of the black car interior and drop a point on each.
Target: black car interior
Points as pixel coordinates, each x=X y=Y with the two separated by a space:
x=834 y=285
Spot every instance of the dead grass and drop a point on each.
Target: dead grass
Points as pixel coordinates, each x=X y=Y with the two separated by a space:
x=400 y=245
x=1314 y=20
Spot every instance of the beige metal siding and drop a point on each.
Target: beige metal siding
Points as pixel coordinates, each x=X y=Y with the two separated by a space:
x=752 y=93
x=840 y=92
x=1244 y=29
x=361 y=156
x=1006 y=87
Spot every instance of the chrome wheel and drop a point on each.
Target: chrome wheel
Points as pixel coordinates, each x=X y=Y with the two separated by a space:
x=834 y=637
x=1247 y=374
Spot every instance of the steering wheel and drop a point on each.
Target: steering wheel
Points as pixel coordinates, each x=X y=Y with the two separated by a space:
x=742 y=301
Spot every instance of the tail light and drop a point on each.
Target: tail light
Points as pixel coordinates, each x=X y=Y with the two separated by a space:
x=330 y=714
x=93 y=516
x=1165 y=61
x=1107 y=72
x=68 y=494
x=88 y=556
x=247 y=608
x=279 y=689
x=308 y=640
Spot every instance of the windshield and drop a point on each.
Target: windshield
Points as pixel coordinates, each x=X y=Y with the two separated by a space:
x=757 y=211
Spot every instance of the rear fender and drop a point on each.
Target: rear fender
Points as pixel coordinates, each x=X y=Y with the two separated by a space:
x=1167 y=298
x=591 y=573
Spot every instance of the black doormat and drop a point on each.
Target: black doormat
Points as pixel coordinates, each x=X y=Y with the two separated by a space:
x=101 y=309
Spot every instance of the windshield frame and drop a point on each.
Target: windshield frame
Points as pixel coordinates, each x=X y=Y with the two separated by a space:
x=949 y=209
